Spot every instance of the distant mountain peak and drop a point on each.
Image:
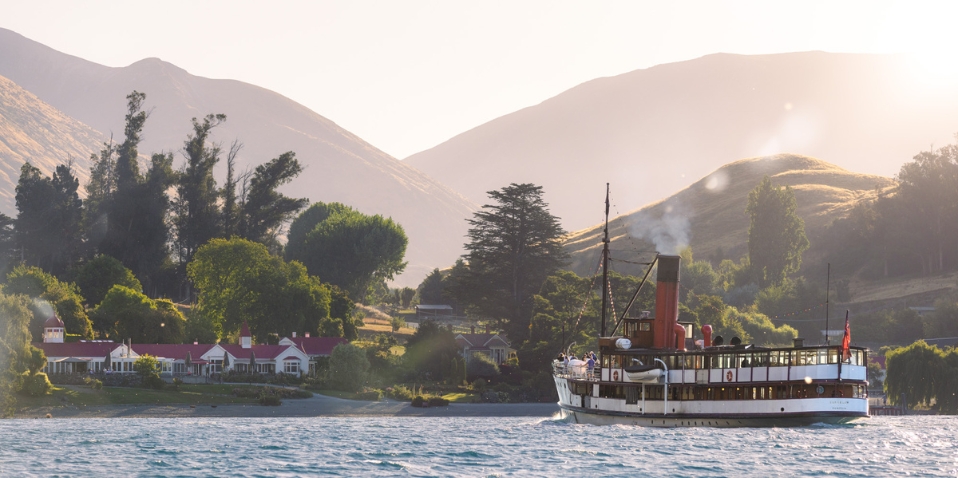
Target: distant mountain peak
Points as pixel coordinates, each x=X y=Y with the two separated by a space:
x=337 y=165
x=650 y=132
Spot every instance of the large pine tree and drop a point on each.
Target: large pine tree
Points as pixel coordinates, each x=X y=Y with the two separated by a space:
x=514 y=245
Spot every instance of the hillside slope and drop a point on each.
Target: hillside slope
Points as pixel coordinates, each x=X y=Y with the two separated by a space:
x=656 y=129
x=31 y=130
x=710 y=214
x=338 y=166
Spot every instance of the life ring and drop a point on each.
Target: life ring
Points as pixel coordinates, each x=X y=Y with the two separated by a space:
x=615 y=375
x=728 y=376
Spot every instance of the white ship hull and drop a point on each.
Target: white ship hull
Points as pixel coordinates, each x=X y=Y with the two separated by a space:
x=584 y=405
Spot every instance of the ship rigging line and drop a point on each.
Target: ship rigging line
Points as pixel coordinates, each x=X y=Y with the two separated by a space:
x=586 y=301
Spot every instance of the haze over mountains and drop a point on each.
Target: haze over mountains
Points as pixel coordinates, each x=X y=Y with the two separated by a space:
x=709 y=215
x=649 y=132
x=653 y=131
x=338 y=166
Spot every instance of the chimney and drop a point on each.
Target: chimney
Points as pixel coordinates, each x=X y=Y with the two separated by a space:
x=304 y=335
x=666 y=302
x=294 y=335
x=472 y=330
x=246 y=339
x=488 y=329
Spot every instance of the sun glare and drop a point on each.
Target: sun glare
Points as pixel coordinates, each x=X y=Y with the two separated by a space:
x=934 y=69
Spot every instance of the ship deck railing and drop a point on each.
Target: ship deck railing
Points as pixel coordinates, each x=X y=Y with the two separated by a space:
x=562 y=370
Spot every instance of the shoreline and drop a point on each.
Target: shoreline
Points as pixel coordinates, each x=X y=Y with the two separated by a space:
x=317 y=406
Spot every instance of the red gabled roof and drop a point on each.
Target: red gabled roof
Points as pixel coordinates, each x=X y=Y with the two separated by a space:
x=313 y=346
x=53 y=321
x=244 y=331
x=173 y=351
x=264 y=352
x=77 y=349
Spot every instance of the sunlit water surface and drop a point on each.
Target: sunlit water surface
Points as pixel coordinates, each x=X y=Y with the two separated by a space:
x=411 y=446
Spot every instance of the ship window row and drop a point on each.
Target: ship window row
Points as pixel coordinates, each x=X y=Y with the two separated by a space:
x=765 y=358
x=633 y=394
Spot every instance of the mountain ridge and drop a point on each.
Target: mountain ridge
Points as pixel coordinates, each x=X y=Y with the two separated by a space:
x=661 y=125
x=338 y=165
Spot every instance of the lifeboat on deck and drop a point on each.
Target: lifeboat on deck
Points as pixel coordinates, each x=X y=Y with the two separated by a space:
x=643 y=373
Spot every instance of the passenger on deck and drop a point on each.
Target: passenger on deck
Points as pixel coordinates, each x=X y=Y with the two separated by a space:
x=590 y=365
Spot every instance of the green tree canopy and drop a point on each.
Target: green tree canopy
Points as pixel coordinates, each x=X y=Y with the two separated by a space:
x=776 y=235
x=15 y=349
x=513 y=246
x=126 y=210
x=48 y=226
x=348 y=368
x=347 y=248
x=913 y=372
x=100 y=274
x=197 y=215
x=125 y=313
x=264 y=209
x=430 y=349
x=928 y=198
x=49 y=296
x=430 y=289
x=238 y=280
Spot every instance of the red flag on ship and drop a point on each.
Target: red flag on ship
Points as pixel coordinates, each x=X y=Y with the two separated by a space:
x=846 y=341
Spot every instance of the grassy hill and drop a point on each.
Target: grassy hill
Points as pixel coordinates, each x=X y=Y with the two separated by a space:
x=664 y=126
x=31 y=130
x=710 y=214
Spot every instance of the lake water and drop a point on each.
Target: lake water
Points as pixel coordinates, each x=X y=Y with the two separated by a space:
x=415 y=446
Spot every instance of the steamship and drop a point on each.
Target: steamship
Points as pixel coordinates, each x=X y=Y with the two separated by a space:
x=656 y=373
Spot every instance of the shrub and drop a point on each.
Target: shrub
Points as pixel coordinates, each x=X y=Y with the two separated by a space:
x=147 y=367
x=418 y=401
x=36 y=384
x=481 y=366
x=438 y=402
x=400 y=392
x=96 y=384
x=270 y=400
x=177 y=382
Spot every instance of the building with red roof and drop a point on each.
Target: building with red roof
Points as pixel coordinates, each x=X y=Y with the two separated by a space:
x=106 y=356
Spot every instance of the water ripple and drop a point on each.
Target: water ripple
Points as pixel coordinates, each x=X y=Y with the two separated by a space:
x=416 y=446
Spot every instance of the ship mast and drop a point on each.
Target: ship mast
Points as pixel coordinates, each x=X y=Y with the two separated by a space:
x=605 y=261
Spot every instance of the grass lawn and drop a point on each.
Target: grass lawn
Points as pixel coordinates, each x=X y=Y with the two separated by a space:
x=200 y=394
x=460 y=397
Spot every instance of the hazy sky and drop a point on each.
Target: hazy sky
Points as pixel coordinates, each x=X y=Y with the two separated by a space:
x=407 y=75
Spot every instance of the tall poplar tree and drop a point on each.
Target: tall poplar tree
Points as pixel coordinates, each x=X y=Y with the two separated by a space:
x=135 y=205
x=776 y=235
x=198 y=217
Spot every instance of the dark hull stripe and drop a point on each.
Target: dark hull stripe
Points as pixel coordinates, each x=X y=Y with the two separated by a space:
x=753 y=419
